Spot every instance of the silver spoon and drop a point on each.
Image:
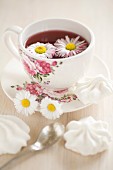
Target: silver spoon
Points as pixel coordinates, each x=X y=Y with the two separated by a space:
x=48 y=136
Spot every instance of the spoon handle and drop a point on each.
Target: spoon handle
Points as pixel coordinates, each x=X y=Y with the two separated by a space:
x=14 y=160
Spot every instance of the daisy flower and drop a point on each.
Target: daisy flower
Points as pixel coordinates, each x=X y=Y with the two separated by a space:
x=25 y=102
x=42 y=50
x=69 y=47
x=51 y=109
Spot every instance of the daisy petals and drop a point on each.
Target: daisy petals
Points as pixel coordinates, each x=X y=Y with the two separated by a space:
x=30 y=104
x=50 y=113
x=63 y=51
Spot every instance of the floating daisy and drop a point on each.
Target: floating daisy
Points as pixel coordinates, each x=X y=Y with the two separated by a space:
x=51 y=109
x=42 y=50
x=25 y=102
x=69 y=47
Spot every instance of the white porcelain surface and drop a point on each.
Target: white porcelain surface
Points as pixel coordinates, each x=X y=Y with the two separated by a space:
x=14 y=75
x=72 y=68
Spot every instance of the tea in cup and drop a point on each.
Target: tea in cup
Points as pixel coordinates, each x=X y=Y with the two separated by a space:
x=56 y=53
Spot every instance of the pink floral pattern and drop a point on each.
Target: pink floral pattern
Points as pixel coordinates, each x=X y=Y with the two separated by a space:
x=28 y=69
x=35 y=89
x=43 y=67
x=39 y=69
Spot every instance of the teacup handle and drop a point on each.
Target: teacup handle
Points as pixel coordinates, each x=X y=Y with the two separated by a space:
x=8 y=40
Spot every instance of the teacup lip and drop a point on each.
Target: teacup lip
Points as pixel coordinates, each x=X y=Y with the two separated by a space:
x=91 y=44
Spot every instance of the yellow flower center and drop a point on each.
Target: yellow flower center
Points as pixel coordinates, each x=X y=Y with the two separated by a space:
x=25 y=103
x=40 y=49
x=70 y=46
x=51 y=107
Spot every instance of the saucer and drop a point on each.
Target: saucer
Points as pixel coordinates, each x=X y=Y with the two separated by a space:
x=14 y=74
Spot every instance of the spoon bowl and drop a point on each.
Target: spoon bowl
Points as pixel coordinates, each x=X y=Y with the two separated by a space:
x=48 y=136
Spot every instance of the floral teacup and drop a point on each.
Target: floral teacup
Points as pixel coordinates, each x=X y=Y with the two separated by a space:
x=52 y=74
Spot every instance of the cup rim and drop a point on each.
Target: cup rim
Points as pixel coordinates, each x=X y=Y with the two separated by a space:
x=91 y=44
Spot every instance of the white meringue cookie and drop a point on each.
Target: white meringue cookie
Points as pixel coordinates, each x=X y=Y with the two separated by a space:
x=92 y=90
x=87 y=136
x=14 y=134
